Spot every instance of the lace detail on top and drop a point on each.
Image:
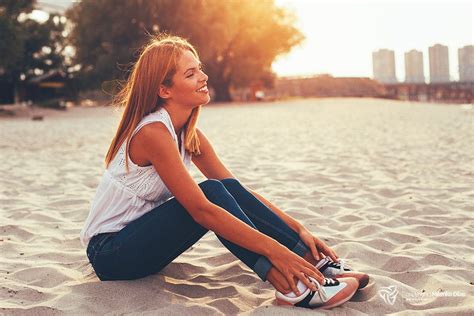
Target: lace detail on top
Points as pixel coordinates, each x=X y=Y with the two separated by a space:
x=145 y=181
x=122 y=197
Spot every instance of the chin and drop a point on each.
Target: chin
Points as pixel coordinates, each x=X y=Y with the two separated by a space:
x=206 y=101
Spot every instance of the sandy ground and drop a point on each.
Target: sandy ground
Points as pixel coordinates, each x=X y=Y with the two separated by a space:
x=388 y=184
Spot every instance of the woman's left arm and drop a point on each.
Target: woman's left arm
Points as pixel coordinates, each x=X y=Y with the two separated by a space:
x=316 y=245
x=290 y=221
x=212 y=167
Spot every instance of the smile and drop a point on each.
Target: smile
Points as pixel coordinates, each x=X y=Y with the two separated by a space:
x=203 y=89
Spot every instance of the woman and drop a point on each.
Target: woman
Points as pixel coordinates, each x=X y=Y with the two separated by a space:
x=148 y=210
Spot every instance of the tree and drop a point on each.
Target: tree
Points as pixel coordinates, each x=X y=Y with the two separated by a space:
x=11 y=45
x=28 y=48
x=237 y=40
x=105 y=44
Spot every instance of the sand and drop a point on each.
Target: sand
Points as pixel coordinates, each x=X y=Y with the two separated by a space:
x=388 y=184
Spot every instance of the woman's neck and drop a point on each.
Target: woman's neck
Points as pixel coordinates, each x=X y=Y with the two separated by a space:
x=179 y=116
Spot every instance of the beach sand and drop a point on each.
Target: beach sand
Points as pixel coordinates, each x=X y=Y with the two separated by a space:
x=387 y=184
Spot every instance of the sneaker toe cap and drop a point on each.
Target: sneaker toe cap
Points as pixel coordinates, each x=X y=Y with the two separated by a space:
x=362 y=278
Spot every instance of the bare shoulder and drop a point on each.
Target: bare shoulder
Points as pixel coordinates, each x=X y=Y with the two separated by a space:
x=150 y=139
x=154 y=133
x=161 y=150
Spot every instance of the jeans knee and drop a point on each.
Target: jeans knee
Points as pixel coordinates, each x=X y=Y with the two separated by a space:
x=215 y=191
x=211 y=185
x=230 y=182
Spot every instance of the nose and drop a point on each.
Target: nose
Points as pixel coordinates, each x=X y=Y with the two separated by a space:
x=204 y=77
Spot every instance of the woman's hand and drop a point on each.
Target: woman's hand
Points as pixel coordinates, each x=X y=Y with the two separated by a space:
x=293 y=266
x=317 y=246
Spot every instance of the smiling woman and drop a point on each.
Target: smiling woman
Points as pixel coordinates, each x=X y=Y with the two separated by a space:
x=148 y=209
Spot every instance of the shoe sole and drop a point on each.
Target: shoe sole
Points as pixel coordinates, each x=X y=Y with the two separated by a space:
x=283 y=303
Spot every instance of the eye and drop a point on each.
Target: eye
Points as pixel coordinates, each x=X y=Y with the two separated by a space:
x=200 y=68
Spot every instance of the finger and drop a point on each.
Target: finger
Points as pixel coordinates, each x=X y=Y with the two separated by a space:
x=306 y=281
x=292 y=284
x=314 y=251
x=335 y=257
x=332 y=255
x=310 y=270
x=327 y=256
x=335 y=254
x=316 y=255
x=317 y=275
x=309 y=266
x=329 y=252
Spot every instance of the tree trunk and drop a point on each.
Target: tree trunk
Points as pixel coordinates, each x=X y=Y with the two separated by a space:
x=222 y=91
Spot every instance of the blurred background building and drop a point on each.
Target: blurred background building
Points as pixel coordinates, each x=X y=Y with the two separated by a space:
x=414 y=72
x=439 y=64
x=466 y=63
x=383 y=62
x=441 y=87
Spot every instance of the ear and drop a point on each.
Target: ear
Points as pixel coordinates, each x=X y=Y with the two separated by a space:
x=164 y=92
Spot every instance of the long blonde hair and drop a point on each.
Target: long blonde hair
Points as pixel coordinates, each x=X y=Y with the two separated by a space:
x=156 y=65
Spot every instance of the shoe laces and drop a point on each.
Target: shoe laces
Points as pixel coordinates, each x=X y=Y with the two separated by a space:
x=341 y=265
x=320 y=288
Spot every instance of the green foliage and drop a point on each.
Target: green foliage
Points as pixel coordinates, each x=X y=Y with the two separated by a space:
x=11 y=45
x=237 y=40
x=28 y=48
x=106 y=43
x=43 y=46
x=13 y=8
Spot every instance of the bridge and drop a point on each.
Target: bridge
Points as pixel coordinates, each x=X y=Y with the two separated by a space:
x=450 y=92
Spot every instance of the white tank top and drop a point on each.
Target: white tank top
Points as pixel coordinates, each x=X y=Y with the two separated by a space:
x=122 y=197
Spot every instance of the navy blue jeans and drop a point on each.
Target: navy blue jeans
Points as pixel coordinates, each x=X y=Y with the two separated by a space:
x=149 y=243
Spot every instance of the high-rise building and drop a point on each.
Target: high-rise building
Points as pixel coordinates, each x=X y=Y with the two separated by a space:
x=439 y=64
x=414 y=72
x=466 y=63
x=383 y=62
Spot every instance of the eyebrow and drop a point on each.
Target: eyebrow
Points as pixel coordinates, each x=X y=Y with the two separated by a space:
x=200 y=65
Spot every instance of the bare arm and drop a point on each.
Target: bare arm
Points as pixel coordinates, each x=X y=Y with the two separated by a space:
x=164 y=156
x=213 y=168
x=161 y=150
x=290 y=221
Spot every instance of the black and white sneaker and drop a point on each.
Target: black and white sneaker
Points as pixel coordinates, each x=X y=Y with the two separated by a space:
x=341 y=269
x=332 y=293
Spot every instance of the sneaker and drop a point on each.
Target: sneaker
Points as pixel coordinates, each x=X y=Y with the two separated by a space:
x=331 y=269
x=332 y=293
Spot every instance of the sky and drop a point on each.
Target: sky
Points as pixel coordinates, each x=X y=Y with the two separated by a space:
x=341 y=35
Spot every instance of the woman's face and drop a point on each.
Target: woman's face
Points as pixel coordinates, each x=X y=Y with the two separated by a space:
x=189 y=82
